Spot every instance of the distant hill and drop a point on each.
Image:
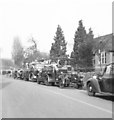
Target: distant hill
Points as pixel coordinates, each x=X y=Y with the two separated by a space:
x=6 y=63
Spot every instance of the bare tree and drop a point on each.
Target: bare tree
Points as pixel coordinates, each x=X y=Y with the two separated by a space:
x=17 y=52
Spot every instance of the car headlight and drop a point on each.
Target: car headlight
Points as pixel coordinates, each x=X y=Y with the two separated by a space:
x=34 y=76
x=94 y=76
x=81 y=80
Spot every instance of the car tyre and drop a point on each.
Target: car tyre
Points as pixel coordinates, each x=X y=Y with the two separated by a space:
x=46 y=80
x=61 y=85
x=38 y=82
x=76 y=86
x=90 y=89
x=46 y=83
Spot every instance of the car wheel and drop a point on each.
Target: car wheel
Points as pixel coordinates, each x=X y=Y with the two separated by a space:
x=46 y=83
x=38 y=82
x=24 y=79
x=46 y=80
x=61 y=85
x=52 y=84
x=76 y=86
x=90 y=90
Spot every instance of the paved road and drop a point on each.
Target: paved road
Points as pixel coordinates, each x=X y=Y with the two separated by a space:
x=21 y=99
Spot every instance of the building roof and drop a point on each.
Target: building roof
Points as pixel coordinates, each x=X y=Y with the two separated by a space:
x=104 y=43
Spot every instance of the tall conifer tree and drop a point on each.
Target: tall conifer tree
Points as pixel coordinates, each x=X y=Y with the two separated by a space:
x=79 y=37
x=82 y=54
x=58 y=48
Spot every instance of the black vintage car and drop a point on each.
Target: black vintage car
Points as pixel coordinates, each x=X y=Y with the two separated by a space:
x=62 y=78
x=102 y=83
x=76 y=81
x=47 y=75
x=20 y=74
x=52 y=76
x=17 y=74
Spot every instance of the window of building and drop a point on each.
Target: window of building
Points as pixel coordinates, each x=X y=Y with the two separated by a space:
x=108 y=70
x=103 y=57
x=93 y=61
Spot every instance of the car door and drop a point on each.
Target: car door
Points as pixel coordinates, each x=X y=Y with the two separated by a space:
x=112 y=74
x=107 y=80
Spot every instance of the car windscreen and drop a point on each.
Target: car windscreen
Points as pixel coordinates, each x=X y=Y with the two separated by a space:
x=50 y=68
x=74 y=75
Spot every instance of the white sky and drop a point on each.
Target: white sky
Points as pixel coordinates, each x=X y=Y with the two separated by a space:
x=39 y=18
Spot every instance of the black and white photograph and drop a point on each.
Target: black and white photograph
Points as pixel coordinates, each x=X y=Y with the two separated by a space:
x=57 y=59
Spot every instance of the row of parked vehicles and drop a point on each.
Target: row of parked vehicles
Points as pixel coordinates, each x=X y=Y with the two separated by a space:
x=52 y=74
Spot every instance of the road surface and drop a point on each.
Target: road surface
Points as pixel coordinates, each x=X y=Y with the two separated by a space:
x=22 y=99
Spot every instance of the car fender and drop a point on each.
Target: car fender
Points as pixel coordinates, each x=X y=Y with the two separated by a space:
x=50 y=79
x=95 y=85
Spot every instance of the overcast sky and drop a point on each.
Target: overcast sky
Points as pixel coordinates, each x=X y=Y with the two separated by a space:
x=39 y=19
